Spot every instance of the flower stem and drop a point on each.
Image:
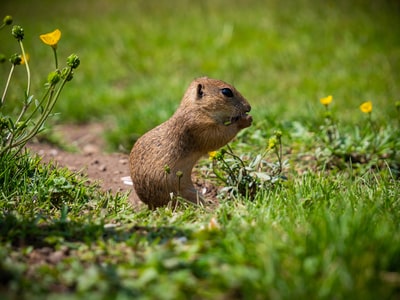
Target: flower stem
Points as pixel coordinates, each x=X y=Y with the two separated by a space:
x=279 y=155
x=375 y=131
x=218 y=174
x=230 y=152
x=52 y=99
x=28 y=72
x=7 y=84
x=28 y=88
x=55 y=56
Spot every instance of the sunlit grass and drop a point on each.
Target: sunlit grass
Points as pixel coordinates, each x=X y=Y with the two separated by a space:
x=315 y=237
x=282 y=56
x=329 y=230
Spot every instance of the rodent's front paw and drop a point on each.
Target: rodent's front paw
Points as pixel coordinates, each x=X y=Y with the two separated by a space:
x=245 y=121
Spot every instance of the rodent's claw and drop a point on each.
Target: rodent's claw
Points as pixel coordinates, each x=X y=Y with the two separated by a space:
x=242 y=121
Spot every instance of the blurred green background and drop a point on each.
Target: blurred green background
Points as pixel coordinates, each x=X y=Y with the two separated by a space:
x=138 y=57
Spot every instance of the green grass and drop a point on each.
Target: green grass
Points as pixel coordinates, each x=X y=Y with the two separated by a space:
x=315 y=237
x=283 y=56
x=330 y=230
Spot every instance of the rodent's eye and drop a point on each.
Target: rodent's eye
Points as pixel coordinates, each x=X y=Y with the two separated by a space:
x=227 y=92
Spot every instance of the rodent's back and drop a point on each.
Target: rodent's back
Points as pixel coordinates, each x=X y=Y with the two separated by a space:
x=209 y=116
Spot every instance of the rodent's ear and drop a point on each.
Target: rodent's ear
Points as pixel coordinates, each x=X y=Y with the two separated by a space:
x=200 y=91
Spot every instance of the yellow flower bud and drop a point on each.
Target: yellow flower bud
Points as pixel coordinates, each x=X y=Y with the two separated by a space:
x=7 y=20
x=167 y=169
x=278 y=134
x=212 y=154
x=67 y=74
x=272 y=142
x=73 y=61
x=2 y=58
x=53 y=77
x=18 y=32
x=15 y=59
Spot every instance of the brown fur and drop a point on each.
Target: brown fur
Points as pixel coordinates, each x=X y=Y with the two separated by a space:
x=205 y=121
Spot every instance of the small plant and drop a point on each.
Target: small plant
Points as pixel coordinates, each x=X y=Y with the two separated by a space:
x=330 y=126
x=176 y=198
x=366 y=147
x=244 y=179
x=16 y=131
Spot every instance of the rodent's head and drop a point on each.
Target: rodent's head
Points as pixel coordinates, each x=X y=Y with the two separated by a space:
x=218 y=101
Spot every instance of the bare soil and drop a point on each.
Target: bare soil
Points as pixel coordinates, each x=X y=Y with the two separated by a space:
x=89 y=157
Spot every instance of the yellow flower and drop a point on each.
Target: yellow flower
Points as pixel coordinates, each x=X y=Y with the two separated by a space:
x=51 y=38
x=212 y=154
x=366 y=107
x=23 y=60
x=272 y=143
x=326 y=100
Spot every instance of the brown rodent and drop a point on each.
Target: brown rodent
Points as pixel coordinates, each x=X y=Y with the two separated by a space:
x=211 y=113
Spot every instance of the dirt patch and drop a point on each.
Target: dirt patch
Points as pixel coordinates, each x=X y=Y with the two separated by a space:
x=88 y=156
x=109 y=170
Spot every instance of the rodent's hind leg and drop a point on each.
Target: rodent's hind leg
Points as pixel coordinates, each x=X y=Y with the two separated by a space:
x=134 y=196
x=193 y=196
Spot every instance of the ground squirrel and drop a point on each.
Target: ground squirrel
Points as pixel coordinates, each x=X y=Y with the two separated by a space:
x=211 y=113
